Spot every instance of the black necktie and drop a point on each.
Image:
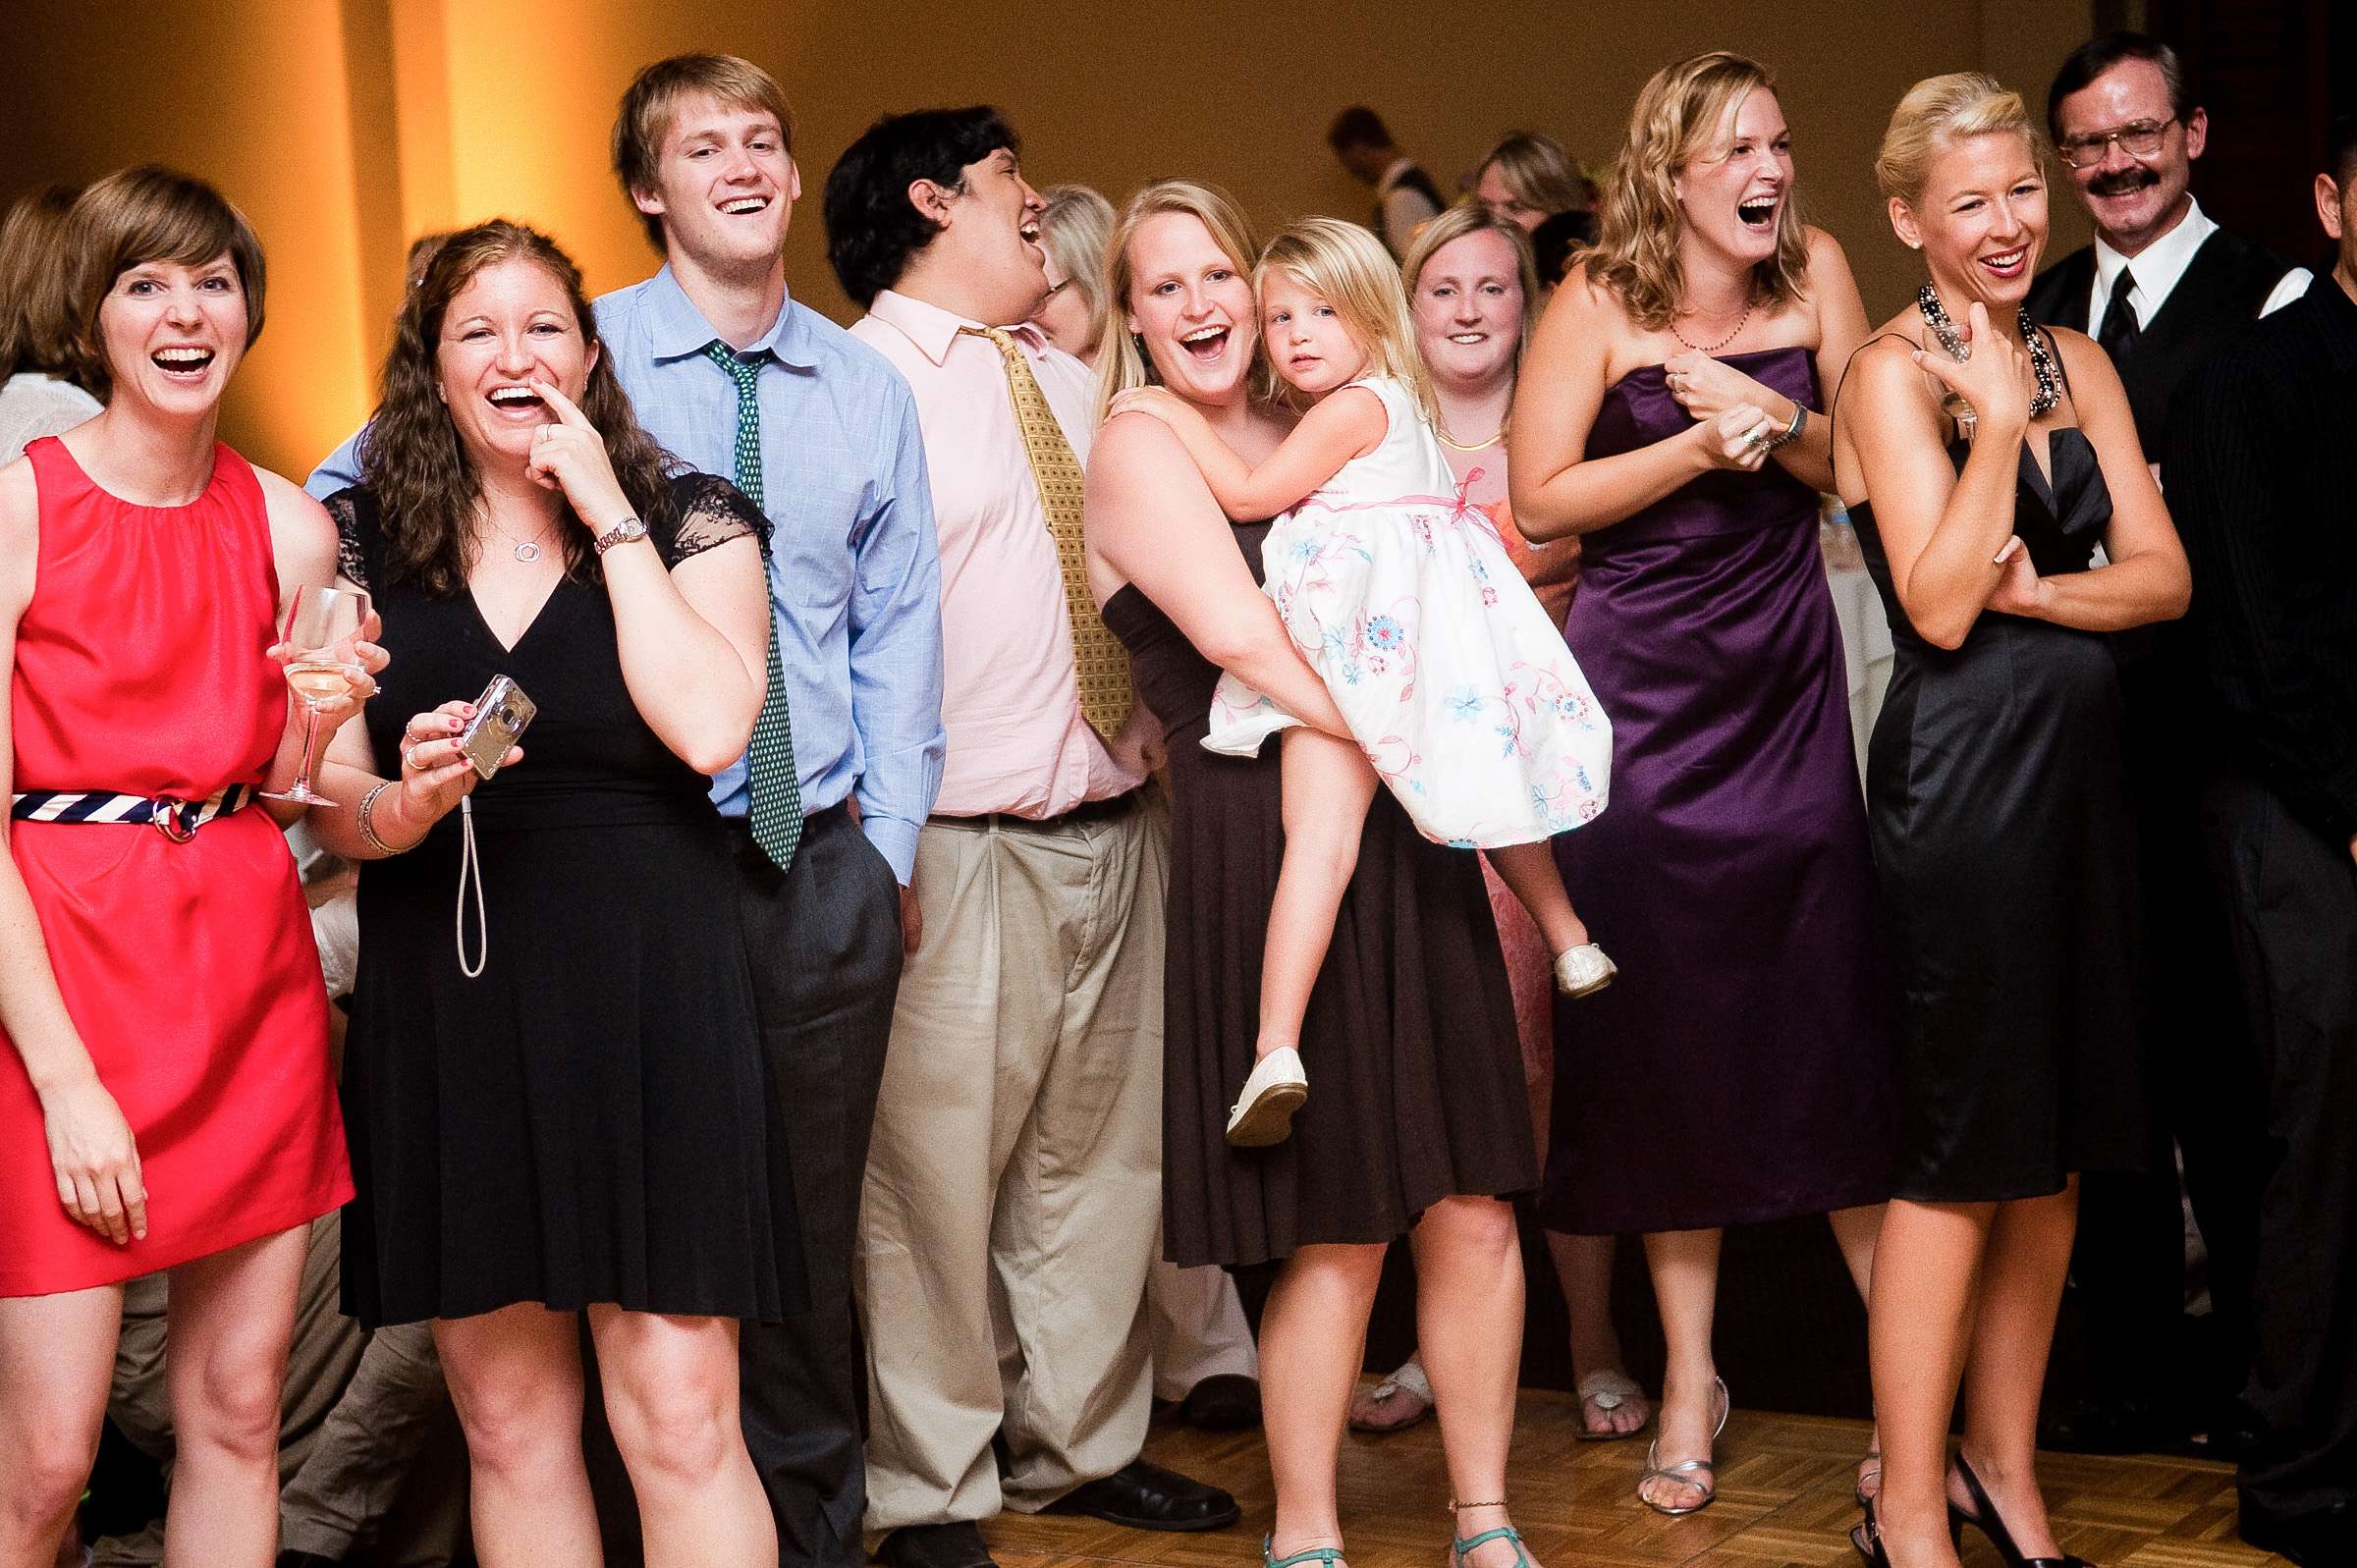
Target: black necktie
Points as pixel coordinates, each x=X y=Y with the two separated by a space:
x=2120 y=329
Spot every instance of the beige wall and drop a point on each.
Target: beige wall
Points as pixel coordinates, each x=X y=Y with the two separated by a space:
x=345 y=128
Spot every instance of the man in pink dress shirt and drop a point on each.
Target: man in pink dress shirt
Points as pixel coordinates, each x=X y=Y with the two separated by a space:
x=1015 y=1171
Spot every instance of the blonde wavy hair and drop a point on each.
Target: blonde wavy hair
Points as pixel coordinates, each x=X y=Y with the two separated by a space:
x=1470 y=217
x=1939 y=110
x=1122 y=362
x=1678 y=119
x=1347 y=267
x=1075 y=228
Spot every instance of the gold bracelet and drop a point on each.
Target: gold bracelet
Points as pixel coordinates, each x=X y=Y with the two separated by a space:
x=367 y=825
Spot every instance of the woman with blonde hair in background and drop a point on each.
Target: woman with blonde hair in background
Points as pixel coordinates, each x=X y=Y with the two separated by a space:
x=1074 y=228
x=1430 y=1137
x=1531 y=181
x=38 y=394
x=1669 y=419
x=1474 y=294
x=1984 y=461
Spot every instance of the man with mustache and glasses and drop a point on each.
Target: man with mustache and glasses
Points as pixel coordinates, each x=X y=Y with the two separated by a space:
x=2259 y=475
x=2160 y=289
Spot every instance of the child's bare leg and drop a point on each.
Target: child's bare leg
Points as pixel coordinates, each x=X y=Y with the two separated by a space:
x=1328 y=786
x=1531 y=875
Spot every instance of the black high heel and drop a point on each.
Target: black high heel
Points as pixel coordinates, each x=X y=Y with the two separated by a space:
x=1989 y=1523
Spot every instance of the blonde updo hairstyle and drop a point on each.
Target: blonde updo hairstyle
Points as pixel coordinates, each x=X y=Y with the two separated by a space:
x=1679 y=118
x=1471 y=218
x=1347 y=267
x=1121 y=360
x=1938 y=111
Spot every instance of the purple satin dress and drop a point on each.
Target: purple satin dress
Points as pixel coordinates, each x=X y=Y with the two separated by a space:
x=1742 y=1066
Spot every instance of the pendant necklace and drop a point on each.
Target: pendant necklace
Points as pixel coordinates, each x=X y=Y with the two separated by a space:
x=528 y=551
x=2042 y=358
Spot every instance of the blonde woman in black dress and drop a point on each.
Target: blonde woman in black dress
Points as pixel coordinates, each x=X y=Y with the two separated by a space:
x=1983 y=461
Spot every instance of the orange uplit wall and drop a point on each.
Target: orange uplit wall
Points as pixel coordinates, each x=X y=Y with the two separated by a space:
x=346 y=126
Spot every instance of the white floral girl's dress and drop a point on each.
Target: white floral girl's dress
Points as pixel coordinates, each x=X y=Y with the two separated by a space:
x=1453 y=680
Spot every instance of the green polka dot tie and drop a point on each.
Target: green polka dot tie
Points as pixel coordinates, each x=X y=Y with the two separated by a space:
x=772 y=787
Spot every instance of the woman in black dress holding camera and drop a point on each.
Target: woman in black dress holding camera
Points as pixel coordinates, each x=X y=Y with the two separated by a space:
x=587 y=1124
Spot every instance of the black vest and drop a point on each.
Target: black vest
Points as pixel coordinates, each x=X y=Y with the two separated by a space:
x=2220 y=293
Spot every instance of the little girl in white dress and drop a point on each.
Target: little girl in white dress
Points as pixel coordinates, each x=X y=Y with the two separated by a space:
x=1458 y=692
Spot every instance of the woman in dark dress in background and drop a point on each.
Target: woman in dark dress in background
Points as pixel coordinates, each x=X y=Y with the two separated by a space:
x=1738 y=1068
x=564 y=1109
x=2000 y=825
x=1426 y=1126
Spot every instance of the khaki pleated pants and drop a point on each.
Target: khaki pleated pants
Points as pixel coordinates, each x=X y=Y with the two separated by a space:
x=1016 y=1151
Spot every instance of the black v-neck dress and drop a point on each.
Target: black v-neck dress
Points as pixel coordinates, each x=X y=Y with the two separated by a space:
x=1995 y=800
x=591 y=1120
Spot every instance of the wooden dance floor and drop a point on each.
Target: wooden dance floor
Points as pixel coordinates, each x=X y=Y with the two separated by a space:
x=1784 y=1499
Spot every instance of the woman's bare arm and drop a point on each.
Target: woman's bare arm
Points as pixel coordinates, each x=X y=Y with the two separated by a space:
x=1153 y=520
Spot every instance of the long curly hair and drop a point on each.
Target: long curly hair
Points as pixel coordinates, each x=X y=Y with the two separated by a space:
x=425 y=483
x=1677 y=120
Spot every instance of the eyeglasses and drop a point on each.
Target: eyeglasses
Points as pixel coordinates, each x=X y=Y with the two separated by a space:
x=2138 y=139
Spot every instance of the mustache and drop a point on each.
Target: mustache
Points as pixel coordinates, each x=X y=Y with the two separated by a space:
x=2122 y=182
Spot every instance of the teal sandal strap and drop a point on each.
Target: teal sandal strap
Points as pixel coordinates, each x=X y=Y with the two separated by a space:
x=1472 y=1544
x=1322 y=1554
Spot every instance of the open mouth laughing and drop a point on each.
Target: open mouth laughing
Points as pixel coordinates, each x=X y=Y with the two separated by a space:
x=2005 y=263
x=518 y=401
x=1206 y=343
x=1757 y=213
x=183 y=361
x=744 y=206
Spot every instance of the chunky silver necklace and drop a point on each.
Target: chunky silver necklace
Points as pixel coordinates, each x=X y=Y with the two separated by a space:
x=2042 y=358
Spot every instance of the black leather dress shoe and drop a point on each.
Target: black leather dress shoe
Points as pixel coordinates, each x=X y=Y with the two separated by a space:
x=2121 y=1427
x=1223 y=1402
x=1146 y=1496
x=2323 y=1539
x=957 y=1545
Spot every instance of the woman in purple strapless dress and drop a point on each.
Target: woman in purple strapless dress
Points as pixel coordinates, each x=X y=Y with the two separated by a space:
x=1739 y=1068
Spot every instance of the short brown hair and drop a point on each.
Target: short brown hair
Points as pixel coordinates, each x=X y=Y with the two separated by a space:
x=35 y=327
x=134 y=217
x=653 y=97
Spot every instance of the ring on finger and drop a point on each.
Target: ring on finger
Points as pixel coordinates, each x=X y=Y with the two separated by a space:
x=409 y=757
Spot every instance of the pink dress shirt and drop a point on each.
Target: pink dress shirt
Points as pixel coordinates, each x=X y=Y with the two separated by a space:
x=1010 y=701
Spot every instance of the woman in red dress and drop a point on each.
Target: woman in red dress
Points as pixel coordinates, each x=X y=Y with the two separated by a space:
x=165 y=1099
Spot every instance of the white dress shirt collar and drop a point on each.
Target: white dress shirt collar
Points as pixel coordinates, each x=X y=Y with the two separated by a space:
x=2157 y=266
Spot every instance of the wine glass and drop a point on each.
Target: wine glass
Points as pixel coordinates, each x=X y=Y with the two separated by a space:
x=323 y=627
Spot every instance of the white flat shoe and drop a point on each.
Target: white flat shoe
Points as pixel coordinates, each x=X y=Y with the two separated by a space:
x=1583 y=971
x=1264 y=1113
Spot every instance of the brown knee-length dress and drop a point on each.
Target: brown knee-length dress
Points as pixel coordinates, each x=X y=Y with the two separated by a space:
x=1416 y=1089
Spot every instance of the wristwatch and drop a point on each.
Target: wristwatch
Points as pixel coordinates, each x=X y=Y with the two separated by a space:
x=1791 y=432
x=622 y=533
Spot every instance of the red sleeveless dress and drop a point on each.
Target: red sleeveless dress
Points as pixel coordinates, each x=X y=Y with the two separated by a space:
x=188 y=968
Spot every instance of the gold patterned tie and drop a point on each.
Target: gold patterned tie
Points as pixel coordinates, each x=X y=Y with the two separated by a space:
x=1099 y=660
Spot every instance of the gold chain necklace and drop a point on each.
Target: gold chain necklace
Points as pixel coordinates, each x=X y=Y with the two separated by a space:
x=1455 y=445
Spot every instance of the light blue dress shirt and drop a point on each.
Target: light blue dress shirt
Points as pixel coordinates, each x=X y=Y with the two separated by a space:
x=854 y=574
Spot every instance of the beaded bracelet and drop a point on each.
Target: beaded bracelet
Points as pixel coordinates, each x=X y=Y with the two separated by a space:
x=366 y=824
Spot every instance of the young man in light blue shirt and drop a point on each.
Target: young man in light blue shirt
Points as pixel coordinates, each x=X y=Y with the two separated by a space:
x=738 y=379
